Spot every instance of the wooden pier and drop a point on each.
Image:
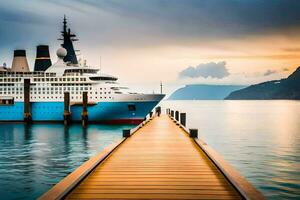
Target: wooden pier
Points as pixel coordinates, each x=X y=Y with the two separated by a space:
x=158 y=161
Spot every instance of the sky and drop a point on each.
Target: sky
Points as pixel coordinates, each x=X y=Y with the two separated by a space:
x=177 y=42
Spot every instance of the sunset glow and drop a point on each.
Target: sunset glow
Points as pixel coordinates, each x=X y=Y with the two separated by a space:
x=135 y=38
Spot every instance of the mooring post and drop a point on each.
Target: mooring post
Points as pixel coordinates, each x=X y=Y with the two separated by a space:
x=67 y=113
x=126 y=133
x=84 y=115
x=150 y=114
x=183 y=119
x=158 y=110
x=177 y=116
x=193 y=133
x=27 y=108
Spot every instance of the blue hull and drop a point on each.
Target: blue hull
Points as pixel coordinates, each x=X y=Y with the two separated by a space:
x=117 y=112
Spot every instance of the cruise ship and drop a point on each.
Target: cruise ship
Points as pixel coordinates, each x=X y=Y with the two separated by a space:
x=108 y=101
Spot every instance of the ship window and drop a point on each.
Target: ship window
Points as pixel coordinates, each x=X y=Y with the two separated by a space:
x=131 y=107
x=103 y=78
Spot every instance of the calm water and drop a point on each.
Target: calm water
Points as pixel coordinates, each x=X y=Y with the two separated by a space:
x=33 y=158
x=259 y=138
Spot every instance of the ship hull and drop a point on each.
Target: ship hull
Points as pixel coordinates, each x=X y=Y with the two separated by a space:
x=102 y=112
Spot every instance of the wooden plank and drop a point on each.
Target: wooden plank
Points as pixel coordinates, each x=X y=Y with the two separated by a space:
x=222 y=183
x=154 y=191
x=167 y=187
x=149 y=196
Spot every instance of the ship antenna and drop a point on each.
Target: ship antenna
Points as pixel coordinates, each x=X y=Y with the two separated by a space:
x=68 y=38
x=65 y=25
x=161 y=87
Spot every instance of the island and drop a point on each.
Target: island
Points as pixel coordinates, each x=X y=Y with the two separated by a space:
x=204 y=92
x=288 y=88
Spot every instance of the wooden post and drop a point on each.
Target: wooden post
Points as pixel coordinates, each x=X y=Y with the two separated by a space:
x=67 y=113
x=150 y=114
x=177 y=116
x=158 y=110
x=193 y=133
x=84 y=115
x=126 y=133
x=183 y=119
x=27 y=108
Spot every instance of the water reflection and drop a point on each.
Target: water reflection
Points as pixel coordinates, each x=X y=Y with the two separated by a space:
x=34 y=157
x=27 y=132
x=260 y=138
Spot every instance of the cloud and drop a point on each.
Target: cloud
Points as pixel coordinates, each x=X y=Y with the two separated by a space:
x=212 y=69
x=269 y=72
x=19 y=16
x=136 y=22
x=285 y=69
x=295 y=49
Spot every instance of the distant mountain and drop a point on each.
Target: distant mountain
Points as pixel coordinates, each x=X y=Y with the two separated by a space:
x=288 y=88
x=204 y=92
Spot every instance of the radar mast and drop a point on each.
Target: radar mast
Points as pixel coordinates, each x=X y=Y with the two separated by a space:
x=68 y=39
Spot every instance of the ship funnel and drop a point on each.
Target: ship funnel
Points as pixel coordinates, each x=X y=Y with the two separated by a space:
x=42 y=60
x=20 y=63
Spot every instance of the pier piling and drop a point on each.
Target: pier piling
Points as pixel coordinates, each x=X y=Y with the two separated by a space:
x=177 y=116
x=183 y=119
x=27 y=107
x=158 y=110
x=193 y=133
x=126 y=133
x=150 y=114
x=172 y=113
x=67 y=113
x=84 y=115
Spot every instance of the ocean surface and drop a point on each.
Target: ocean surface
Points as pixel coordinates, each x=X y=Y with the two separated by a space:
x=259 y=138
x=33 y=158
